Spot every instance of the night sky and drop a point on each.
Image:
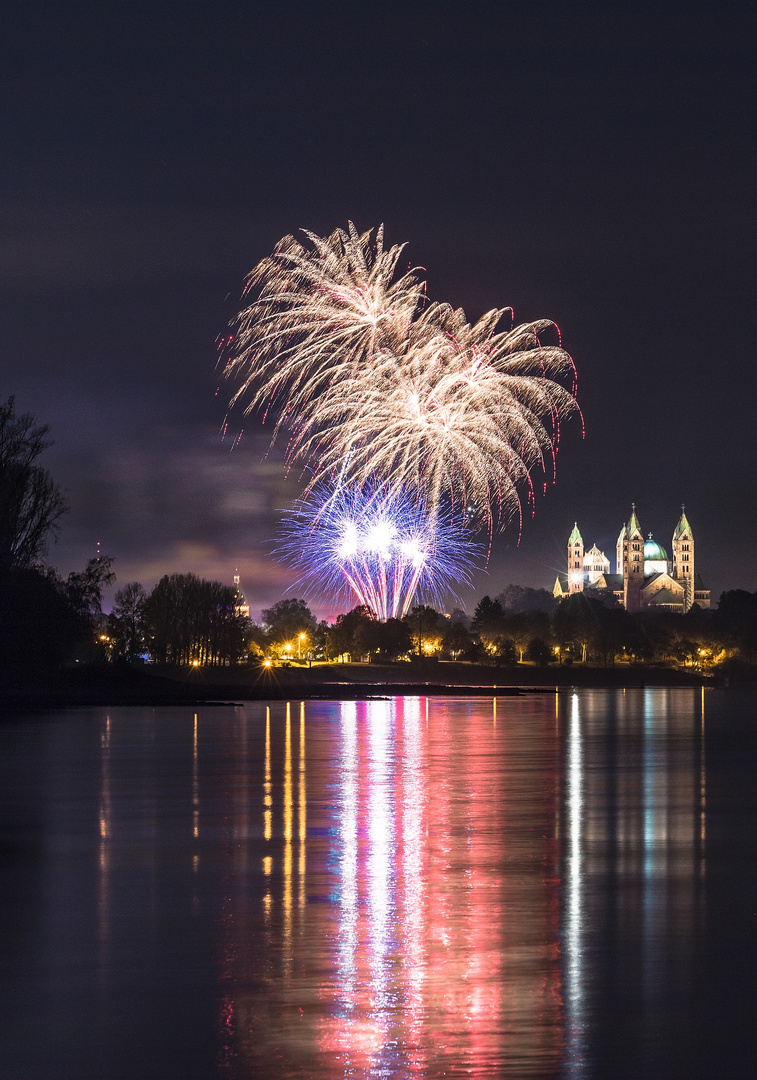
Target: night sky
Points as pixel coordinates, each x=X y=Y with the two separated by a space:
x=592 y=165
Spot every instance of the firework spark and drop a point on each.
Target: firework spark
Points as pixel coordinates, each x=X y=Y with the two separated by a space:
x=372 y=382
x=378 y=545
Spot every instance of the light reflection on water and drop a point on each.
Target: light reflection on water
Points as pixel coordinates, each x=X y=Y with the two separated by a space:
x=403 y=887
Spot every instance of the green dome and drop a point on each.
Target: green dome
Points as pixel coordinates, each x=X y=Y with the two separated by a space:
x=653 y=552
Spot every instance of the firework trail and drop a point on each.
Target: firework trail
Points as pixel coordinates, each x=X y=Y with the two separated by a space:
x=372 y=382
x=379 y=544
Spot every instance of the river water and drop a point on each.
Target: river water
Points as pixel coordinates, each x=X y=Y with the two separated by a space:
x=553 y=885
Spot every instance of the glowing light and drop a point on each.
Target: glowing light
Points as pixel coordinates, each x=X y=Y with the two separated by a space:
x=379 y=545
x=267 y=787
x=574 y=915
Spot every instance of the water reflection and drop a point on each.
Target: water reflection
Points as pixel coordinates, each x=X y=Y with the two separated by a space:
x=409 y=887
x=430 y=936
x=574 y=909
x=634 y=864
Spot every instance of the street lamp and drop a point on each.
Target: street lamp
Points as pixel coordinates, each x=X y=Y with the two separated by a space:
x=299 y=646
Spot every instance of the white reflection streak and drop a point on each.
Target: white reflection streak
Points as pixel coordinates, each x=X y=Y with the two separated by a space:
x=574 y=989
x=655 y=786
x=655 y=825
x=348 y=867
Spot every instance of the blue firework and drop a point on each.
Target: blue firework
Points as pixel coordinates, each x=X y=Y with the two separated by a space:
x=382 y=546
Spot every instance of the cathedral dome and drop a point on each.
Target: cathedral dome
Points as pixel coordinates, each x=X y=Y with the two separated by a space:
x=654 y=552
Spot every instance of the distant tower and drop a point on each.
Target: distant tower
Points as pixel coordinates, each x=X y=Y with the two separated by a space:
x=632 y=543
x=683 y=558
x=619 y=550
x=575 y=561
x=241 y=607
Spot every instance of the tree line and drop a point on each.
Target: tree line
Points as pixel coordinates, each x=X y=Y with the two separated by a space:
x=186 y=620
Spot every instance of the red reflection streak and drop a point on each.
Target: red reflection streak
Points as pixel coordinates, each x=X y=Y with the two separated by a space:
x=412 y=821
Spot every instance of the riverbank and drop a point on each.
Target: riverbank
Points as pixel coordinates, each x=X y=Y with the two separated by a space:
x=113 y=685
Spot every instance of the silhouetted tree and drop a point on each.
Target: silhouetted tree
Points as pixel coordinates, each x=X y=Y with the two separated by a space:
x=523 y=600
x=287 y=619
x=538 y=651
x=188 y=619
x=30 y=502
x=85 y=589
x=487 y=616
x=38 y=625
x=456 y=639
x=489 y=626
x=342 y=637
x=126 y=622
x=736 y=620
x=387 y=639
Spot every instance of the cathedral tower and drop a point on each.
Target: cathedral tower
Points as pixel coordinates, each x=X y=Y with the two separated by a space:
x=683 y=558
x=575 y=561
x=631 y=548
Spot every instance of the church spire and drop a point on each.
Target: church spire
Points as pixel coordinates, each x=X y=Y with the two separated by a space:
x=575 y=561
x=633 y=528
x=683 y=558
x=683 y=528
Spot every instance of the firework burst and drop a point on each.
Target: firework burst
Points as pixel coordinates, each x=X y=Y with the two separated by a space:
x=410 y=421
x=370 y=381
x=378 y=545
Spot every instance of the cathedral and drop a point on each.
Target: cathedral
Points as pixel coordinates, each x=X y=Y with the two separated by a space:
x=644 y=576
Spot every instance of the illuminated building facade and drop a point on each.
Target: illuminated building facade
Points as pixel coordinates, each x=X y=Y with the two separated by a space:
x=644 y=575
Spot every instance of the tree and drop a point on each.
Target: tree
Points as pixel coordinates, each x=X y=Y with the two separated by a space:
x=126 y=625
x=456 y=639
x=517 y=629
x=388 y=639
x=425 y=625
x=538 y=651
x=489 y=625
x=30 y=502
x=189 y=620
x=287 y=619
x=38 y=625
x=523 y=600
x=342 y=637
x=85 y=589
x=318 y=641
x=578 y=620
x=488 y=616
x=737 y=621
